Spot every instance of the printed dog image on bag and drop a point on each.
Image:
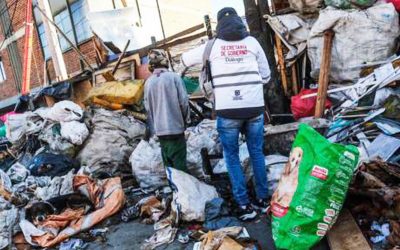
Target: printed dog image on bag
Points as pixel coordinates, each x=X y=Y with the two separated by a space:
x=289 y=180
x=312 y=189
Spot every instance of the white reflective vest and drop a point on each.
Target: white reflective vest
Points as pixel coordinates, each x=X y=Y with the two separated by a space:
x=239 y=69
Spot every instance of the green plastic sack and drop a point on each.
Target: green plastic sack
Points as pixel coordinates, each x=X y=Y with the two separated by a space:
x=312 y=190
x=3 y=131
x=191 y=84
x=350 y=4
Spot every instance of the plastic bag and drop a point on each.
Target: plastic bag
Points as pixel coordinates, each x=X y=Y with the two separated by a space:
x=3 y=130
x=47 y=164
x=118 y=92
x=360 y=36
x=396 y=4
x=64 y=111
x=74 y=131
x=147 y=165
x=119 y=135
x=190 y=195
x=305 y=107
x=61 y=91
x=312 y=190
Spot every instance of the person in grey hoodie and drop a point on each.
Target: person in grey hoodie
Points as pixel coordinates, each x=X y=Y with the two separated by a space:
x=167 y=105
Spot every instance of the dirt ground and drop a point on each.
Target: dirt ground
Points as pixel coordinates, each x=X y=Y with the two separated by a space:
x=131 y=235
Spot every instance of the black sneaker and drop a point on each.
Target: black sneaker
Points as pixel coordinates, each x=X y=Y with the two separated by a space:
x=262 y=205
x=246 y=213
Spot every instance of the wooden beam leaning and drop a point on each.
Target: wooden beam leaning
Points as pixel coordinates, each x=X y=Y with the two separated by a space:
x=281 y=62
x=325 y=68
x=295 y=85
x=345 y=234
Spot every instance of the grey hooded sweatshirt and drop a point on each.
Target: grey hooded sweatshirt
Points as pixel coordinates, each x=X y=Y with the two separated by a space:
x=166 y=102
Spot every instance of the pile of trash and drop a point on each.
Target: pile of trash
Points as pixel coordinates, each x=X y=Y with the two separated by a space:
x=50 y=164
x=375 y=201
x=55 y=160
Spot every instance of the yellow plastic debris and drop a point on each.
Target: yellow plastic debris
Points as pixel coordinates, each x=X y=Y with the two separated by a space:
x=117 y=93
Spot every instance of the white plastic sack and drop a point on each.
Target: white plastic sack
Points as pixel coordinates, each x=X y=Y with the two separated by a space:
x=244 y=161
x=18 y=172
x=59 y=185
x=20 y=125
x=8 y=218
x=360 y=36
x=74 y=131
x=114 y=137
x=5 y=182
x=147 y=165
x=64 y=111
x=57 y=144
x=190 y=194
x=204 y=135
x=275 y=167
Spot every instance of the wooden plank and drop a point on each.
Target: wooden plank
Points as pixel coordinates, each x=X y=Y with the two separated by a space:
x=80 y=91
x=130 y=58
x=143 y=51
x=182 y=33
x=124 y=72
x=295 y=84
x=183 y=40
x=324 y=72
x=281 y=62
x=50 y=101
x=346 y=235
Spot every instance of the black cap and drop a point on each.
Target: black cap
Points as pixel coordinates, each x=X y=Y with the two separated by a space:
x=226 y=12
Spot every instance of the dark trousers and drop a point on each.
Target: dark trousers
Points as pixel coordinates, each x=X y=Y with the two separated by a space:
x=173 y=152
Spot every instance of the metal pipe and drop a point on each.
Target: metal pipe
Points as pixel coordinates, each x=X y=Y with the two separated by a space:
x=161 y=22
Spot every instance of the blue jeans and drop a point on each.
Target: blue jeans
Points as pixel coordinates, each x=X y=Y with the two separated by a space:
x=253 y=129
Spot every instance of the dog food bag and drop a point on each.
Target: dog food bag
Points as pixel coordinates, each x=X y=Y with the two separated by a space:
x=312 y=190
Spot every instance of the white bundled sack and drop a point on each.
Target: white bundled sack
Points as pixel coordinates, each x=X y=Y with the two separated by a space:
x=64 y=111
x=190 y=195
x=74 y=131
x=18 y=126
x=360 y=36
x=147 y=165
x=204 y=135
x=8 y=220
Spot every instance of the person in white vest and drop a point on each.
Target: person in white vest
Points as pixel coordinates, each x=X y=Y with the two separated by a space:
x=238 y=68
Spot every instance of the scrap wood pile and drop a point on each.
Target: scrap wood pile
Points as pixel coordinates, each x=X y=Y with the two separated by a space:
x=374 y=200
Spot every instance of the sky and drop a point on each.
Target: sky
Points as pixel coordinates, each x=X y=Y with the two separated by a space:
x=219 y=4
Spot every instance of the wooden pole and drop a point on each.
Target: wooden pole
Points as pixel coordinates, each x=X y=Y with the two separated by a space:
x=26 y=74
x=208 y=26
x=295 y=86
x=281 y=61
x=52 y=39
x=324 y=72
